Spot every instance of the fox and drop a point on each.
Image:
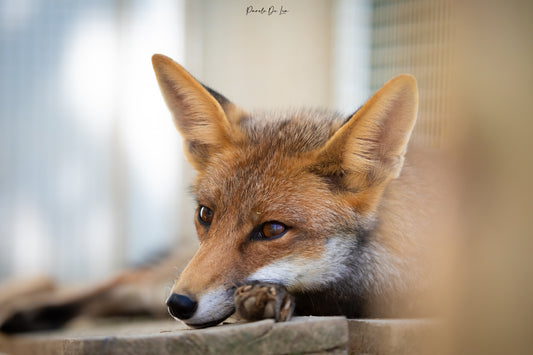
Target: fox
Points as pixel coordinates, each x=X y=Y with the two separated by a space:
x=299 y=212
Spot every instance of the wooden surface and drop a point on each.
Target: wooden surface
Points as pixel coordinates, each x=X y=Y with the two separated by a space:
x=309 y=335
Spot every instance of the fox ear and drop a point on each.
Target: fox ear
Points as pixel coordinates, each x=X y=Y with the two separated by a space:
x=197 y=111
x=369 y=148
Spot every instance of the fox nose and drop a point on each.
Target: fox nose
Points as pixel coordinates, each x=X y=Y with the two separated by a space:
x=181 y=306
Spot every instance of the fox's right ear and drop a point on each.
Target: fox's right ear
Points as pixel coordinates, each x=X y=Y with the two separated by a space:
x=368 y=150
x=197 y=111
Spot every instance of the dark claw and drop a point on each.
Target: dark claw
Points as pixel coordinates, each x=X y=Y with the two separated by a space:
x=263 y=301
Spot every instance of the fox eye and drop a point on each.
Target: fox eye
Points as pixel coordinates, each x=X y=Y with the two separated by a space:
x=205 y=215
x=272 y=230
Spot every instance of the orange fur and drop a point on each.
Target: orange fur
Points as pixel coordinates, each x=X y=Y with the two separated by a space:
x=332 y=181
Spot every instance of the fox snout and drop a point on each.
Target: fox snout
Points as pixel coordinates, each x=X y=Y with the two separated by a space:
x=181 y=306
x=204 y=310
x=203 y=294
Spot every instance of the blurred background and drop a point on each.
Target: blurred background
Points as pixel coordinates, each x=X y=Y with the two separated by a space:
x=92 y=175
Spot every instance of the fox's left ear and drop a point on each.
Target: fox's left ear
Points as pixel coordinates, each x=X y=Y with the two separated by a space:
x=368 y=150
x=201 y=115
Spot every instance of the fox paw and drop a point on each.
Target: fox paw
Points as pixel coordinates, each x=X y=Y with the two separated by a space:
x=263 y=301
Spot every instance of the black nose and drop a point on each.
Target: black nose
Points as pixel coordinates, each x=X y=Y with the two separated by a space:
x=181 y=306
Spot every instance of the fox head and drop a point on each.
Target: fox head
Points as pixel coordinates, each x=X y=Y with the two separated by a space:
x=283 y=198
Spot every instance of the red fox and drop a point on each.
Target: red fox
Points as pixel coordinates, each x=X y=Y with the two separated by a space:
x=306 y=211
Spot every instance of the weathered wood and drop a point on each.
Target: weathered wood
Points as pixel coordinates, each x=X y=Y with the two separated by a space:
x=309 y=335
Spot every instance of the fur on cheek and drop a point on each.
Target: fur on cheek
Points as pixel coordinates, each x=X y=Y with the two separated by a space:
x=299 y=273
